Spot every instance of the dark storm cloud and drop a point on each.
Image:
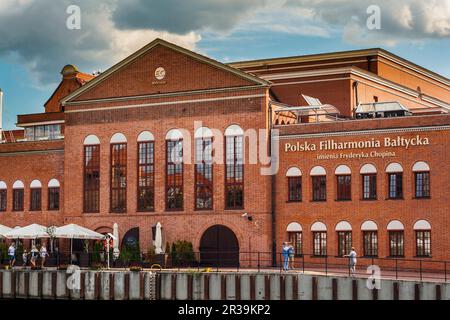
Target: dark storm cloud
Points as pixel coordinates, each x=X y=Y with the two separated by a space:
x=181 y=16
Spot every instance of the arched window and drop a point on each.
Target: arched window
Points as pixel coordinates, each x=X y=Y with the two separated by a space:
x=118 y=163
x=422 y=229
x=370 y=238
x=18 y=195
x=146 y=172
x=396 y=238
x=344 y=235
x=369 y=182
x=395 y=178
x=203 y=169
x=319 y=234
x=421 y=179
x=343 y=182
x=53 y=194
x=234 y=173
x=295 y=236
x=91 y=177
x=294 y=179
x=319 y=183
x=35 y=195
x=3 y=196
x=174 y=170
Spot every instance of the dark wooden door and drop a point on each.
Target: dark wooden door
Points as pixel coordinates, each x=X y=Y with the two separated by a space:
x=219 y=247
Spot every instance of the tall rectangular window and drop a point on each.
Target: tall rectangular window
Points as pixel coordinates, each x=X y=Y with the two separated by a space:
x=146 y=176
x=35 y=199
x=423 y=243
x=344 y=242
x=18 y=199
x=370 y=243
x=369 y=183
x=319 y=243
x=3 y=193
x=118 y=177
x=422 y=184
x=174 y=175
x=319 y=184
x=295 y=189
x=396 y=244
x=344 y=183
x=395 y=185
x=203 y=174
x=53 y=198
x=297 y=241
x=234 y=175
x=91 y=193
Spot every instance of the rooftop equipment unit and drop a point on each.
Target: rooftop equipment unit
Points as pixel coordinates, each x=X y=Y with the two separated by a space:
x=381 y=110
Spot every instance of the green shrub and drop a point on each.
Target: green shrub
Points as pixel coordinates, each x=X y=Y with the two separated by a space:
x=130 y=253
x=97 y=248
x=3 y=251
x=182 y=253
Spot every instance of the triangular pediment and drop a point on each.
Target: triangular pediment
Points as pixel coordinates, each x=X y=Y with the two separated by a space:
x=162 y=67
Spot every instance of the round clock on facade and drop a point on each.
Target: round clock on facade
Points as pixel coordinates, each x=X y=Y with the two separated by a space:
x=160 y=73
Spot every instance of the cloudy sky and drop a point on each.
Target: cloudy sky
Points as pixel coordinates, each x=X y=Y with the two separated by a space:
x=35 y=42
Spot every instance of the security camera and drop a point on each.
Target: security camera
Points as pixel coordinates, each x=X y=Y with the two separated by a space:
x=245 y=214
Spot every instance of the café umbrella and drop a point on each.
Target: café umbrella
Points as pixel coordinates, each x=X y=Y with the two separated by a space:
x=74 y=231
x=33 y=231
x=3 y=230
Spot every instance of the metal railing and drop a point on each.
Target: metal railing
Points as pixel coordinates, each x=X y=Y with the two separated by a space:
x=421 y=269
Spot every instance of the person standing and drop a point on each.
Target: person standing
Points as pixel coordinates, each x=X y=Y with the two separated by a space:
x=44 y=254
x=12 y=254
x=34 y=255
x=25 y=258
x=291 y=256
x=285 y=254
x=352 y=261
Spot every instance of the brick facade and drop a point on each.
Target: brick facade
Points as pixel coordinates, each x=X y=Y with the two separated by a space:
x=130 y=100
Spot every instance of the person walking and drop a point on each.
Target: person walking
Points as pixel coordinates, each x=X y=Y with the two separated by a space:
x=43 y=252
x=352 y=261
x=285 y=254
x=12 y=254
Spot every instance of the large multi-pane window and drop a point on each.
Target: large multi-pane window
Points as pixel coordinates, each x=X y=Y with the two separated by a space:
x=319 y=243
x=295 y=189
x=146 y=176
x=422 y=184
x=174 y=175
x=370 y=239
x=203 y=173
x=344 y=187
x=344 y=242
x=395 y=185
x=234 y=175
x=91 y=192
x=3 y=198
x=35 y=199
x=396 y=243
x=369 y=186
x=18 y=194
x=319 y=186
x=295 y=238
x=42 y=132
x=423 y=243
x=118 y=177
x=53 y=198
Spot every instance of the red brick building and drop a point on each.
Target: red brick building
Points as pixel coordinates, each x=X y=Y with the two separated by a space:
x=170 y=136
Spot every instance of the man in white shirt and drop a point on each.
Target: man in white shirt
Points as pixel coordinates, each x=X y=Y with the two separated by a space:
x=12 y=255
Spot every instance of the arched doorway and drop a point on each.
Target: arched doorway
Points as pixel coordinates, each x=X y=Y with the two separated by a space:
x=219 y=247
